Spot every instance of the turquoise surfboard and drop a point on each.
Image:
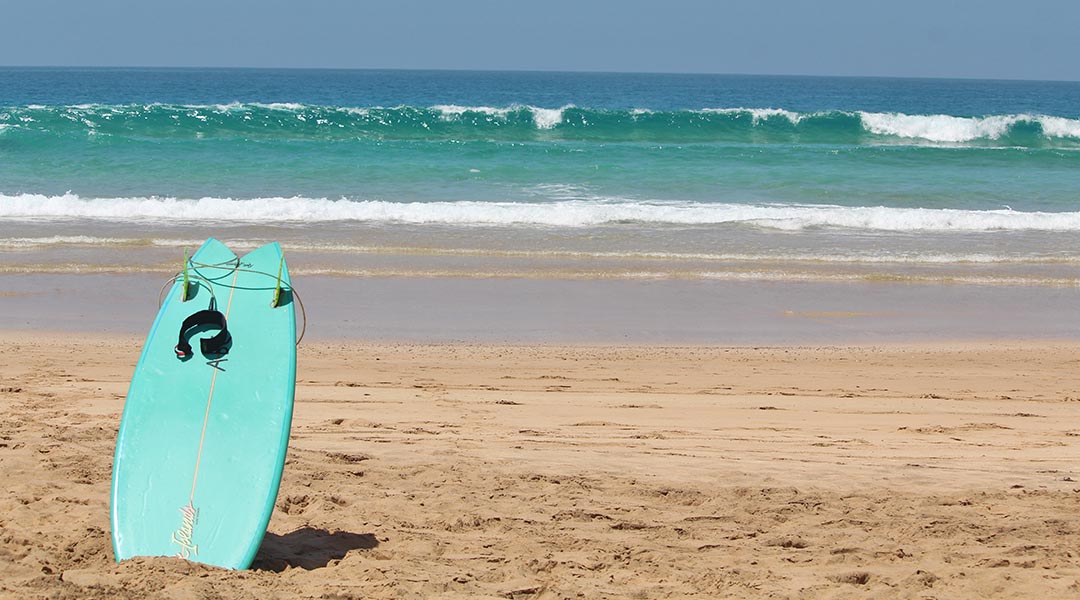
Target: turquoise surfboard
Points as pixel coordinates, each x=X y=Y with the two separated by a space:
x=204 y=432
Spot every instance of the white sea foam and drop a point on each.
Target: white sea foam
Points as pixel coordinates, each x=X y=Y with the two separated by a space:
x=811 y=257
x=453 y=111
x=560 y=213
x=546 y=118
x=58 y=240
x=758 y=115
x=761 y=114
x=89 y=240
x=1060 y=127
x=288 y=106
x=941 y=128
x=909 y=219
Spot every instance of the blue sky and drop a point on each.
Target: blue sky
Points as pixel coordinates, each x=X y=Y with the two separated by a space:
x=1036 y=39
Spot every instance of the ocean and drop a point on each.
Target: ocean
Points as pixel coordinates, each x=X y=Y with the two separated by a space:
x=362 y=173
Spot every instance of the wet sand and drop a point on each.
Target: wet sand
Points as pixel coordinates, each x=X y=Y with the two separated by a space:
x=589 y=311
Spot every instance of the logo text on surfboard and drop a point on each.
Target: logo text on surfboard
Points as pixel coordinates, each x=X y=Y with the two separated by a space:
x=189 y=517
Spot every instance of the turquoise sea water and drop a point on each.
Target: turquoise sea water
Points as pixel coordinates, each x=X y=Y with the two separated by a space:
x=557 y=174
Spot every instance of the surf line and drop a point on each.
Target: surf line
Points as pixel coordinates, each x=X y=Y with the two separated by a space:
x=189 y=514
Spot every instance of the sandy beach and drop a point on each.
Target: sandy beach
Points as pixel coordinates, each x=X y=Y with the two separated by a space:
x=595 y=301
x=925 y=470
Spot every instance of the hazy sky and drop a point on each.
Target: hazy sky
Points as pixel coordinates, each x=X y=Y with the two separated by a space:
x=1035 y=39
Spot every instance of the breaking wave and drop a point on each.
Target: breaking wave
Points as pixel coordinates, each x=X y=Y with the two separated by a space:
x=530 y=123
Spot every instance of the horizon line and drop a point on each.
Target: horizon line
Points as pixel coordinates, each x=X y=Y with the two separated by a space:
x=552 y=71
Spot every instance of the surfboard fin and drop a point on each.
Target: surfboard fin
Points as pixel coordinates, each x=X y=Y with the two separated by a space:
x=276 y=302
x=184 y=290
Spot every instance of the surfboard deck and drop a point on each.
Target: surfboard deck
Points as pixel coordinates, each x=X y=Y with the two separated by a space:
x=202 y=441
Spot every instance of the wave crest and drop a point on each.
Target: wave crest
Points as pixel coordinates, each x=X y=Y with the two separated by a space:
x=530 y=123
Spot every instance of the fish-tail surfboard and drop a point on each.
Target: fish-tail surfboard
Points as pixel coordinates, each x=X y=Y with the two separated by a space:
x=203 y=437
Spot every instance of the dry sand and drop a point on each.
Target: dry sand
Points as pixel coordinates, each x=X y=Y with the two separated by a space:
x=457 y=471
